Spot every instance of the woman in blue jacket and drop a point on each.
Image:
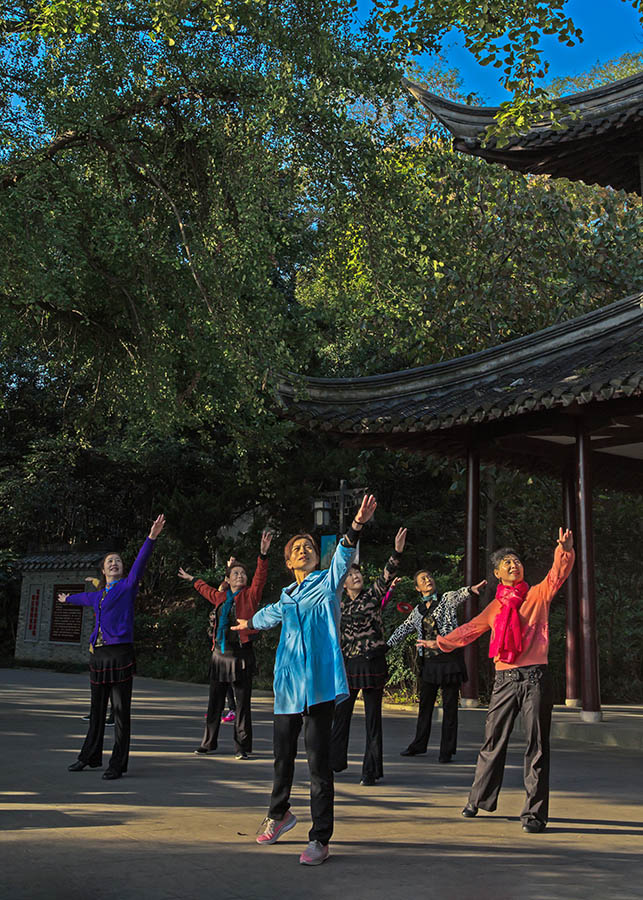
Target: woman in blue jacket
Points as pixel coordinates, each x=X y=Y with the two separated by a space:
x=111 y=667
x=309 y=680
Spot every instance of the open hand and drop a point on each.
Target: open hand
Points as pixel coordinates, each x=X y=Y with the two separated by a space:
x=430 y=645
x=185 y=575
x=566 y=539
x=476 y=588
x=400 y=540
x=395 y=583
x=231 y=562
x=266 y=540
x=366 y=510
x=62 y=597
x=240 y=626
x=157 y=527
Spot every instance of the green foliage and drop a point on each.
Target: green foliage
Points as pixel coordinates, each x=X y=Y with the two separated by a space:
x=184 y=221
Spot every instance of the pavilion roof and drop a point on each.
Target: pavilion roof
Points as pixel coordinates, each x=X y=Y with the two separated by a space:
x=600 y=144
x=535 y=385
x=61 y=561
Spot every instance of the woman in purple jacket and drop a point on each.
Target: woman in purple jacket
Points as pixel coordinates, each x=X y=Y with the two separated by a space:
x=111 y=667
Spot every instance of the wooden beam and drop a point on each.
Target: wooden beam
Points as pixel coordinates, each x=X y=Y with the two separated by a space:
x=587 y=601
x=472 y=568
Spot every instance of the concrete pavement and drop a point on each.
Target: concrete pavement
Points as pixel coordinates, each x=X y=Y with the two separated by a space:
x=181 y=826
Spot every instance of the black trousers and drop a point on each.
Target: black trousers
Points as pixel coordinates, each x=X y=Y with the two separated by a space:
x=243 y=721
x=372 y=762
x=92 y=750
x=527 y=690
x=449 y=734
x=317 y=722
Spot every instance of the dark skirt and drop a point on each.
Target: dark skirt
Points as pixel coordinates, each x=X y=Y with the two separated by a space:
x=112 y=664
x=233 y=665
x=363 y=672
x=445 y=668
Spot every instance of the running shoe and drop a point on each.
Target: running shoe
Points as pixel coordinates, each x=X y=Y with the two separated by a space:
x=271 y=830
x=314 y=854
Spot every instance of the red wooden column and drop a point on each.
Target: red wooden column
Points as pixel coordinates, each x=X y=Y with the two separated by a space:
x=590 y=690
x=472 y=570
x=572 y=649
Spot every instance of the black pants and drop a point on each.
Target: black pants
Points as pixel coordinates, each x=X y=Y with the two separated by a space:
x=449 y=734
x=372 y=762
x=527 y=690
x=92 y=750
x=317 y=722
x=243 y=720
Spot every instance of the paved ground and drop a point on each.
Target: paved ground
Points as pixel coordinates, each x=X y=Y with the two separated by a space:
x=180 y=826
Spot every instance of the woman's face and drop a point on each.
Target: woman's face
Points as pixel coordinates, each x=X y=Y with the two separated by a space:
x=354 y=580
x=509 y=570
x=237 y=578
x=303 y=556
x=113 y=567
x=424 y=583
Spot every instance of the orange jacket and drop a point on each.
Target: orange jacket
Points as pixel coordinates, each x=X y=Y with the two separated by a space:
x=246 y=602
x=534 y=617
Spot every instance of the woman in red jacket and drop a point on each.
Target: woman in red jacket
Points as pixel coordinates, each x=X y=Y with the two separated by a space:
x=233 y=659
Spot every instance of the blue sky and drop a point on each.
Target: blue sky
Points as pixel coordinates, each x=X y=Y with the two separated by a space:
x=610 y=28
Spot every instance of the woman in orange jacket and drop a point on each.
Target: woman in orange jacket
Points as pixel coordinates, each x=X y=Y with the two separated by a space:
x=519 y=621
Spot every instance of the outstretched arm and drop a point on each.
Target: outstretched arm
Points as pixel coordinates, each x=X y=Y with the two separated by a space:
x=78 y=599
x=267 y=617
x=408 y=626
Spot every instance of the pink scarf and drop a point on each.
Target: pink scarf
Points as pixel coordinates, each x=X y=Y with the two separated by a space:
x=506 y=642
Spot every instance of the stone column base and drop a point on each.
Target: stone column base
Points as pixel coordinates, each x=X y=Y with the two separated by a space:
x=575 y=703
x=469 y=702
x=588 y=715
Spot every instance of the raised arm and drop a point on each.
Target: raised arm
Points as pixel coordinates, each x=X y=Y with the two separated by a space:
x=138 y=568
x=382 y=583
x=561 y=567
x=345 y=550
x=261 y=572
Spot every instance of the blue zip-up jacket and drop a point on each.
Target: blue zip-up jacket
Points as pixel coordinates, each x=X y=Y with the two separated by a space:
x=115 y=617
x=309 y=666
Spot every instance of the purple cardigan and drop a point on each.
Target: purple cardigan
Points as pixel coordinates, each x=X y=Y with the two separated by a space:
x=116 y=618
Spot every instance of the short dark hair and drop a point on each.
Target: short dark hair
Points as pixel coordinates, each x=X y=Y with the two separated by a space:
x=235 y=565
x=355 y=566
x=498 y=555
x=419 y=572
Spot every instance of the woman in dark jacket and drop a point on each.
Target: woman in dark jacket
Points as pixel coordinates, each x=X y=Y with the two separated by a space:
x=364 y=650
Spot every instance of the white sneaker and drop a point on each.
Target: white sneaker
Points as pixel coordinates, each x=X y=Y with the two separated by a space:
x=314 y=854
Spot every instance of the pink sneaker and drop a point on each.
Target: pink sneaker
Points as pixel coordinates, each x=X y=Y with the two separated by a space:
x=271 y=830
x=230 y=717
x=314 y=854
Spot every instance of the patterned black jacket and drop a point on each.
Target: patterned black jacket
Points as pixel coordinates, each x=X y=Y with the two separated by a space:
x=445 y=615
x=361 y=630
